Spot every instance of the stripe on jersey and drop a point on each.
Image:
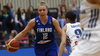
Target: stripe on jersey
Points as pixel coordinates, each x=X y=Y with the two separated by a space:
x=97 y=17
x=86 y=36
x=94 y=18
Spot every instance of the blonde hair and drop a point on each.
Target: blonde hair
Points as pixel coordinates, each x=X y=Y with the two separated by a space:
x=43 y=3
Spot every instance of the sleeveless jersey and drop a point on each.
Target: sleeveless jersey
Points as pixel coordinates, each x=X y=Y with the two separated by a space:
x=43 y=31
x=90 y=20
x=74 y=33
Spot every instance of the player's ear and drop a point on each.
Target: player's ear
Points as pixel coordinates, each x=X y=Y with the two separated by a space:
x=67 y=20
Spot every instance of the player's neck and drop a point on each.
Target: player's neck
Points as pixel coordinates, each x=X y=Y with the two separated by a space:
x=43 y=19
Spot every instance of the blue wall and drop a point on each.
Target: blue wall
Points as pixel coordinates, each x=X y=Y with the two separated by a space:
x=25 y=52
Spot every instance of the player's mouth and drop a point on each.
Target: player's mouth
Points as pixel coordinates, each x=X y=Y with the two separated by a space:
x=42 y=15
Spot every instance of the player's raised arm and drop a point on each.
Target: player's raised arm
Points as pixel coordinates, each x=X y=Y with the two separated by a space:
x=27 y=28
x=94 y=1
x=63 y=41
x=57 y=27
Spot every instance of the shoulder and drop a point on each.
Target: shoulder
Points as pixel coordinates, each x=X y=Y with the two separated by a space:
x=32 y=22
x=54 y=20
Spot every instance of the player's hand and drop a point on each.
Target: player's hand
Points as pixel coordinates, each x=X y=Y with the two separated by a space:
x=8 y=45
x=65 y=50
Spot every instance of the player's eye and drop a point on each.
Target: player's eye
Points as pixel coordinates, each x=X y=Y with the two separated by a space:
x=43 y=9
x=40 y=10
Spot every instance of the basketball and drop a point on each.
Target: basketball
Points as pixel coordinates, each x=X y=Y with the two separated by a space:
x=12 y=45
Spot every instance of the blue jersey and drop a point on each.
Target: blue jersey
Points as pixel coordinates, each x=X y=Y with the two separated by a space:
x=44 y=31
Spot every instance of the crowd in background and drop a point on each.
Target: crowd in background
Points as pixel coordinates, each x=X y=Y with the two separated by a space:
x=13 y=21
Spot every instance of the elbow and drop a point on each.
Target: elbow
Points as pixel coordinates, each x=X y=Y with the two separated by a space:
x=64 y=43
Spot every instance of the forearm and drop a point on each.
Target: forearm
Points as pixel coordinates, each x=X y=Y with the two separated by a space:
x=20 y=35
x=62 y=46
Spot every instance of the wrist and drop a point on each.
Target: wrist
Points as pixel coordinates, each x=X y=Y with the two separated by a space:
x=59 y=54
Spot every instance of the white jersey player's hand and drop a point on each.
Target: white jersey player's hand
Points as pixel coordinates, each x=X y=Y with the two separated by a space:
x=65 y=51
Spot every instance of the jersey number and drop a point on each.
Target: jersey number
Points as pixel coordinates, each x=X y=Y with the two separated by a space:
x=45 y=35
x=78 y=33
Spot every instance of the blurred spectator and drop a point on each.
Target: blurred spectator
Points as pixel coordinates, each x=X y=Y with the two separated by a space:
x=24 y=42
x=13 y=34
x=30 y=14
x=31 y=37
x=59 y=8
x=2 y=42
x=20 y=20
x=62 y=16
x=63 y=11
x=11 y=8
x=8 y=19
x=1 y=22
x=75 y=8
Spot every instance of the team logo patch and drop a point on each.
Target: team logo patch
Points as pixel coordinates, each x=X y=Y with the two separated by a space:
x=50 y=21
x=38 y=23
x=37 y=20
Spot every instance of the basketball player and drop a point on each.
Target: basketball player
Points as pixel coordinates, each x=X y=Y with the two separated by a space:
x=89 y=45
x=72 y=29
x=44 y=25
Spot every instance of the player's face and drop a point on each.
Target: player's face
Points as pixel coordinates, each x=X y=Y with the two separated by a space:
x=42 y=10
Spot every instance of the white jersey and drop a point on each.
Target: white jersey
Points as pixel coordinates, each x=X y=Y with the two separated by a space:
x=90 y=20
x=73 y=32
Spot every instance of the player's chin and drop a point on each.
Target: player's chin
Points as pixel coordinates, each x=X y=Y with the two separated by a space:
x=42 y=15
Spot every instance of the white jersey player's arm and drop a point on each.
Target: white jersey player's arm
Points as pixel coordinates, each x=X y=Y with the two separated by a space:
x=94 y=1
x=63 y=41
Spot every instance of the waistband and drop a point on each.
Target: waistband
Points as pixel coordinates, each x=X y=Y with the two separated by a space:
x=44 y=42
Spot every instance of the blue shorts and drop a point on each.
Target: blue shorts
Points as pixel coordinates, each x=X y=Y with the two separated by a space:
x=48 y=49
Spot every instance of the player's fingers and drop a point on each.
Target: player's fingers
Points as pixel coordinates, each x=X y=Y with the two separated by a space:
x=65 y=51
